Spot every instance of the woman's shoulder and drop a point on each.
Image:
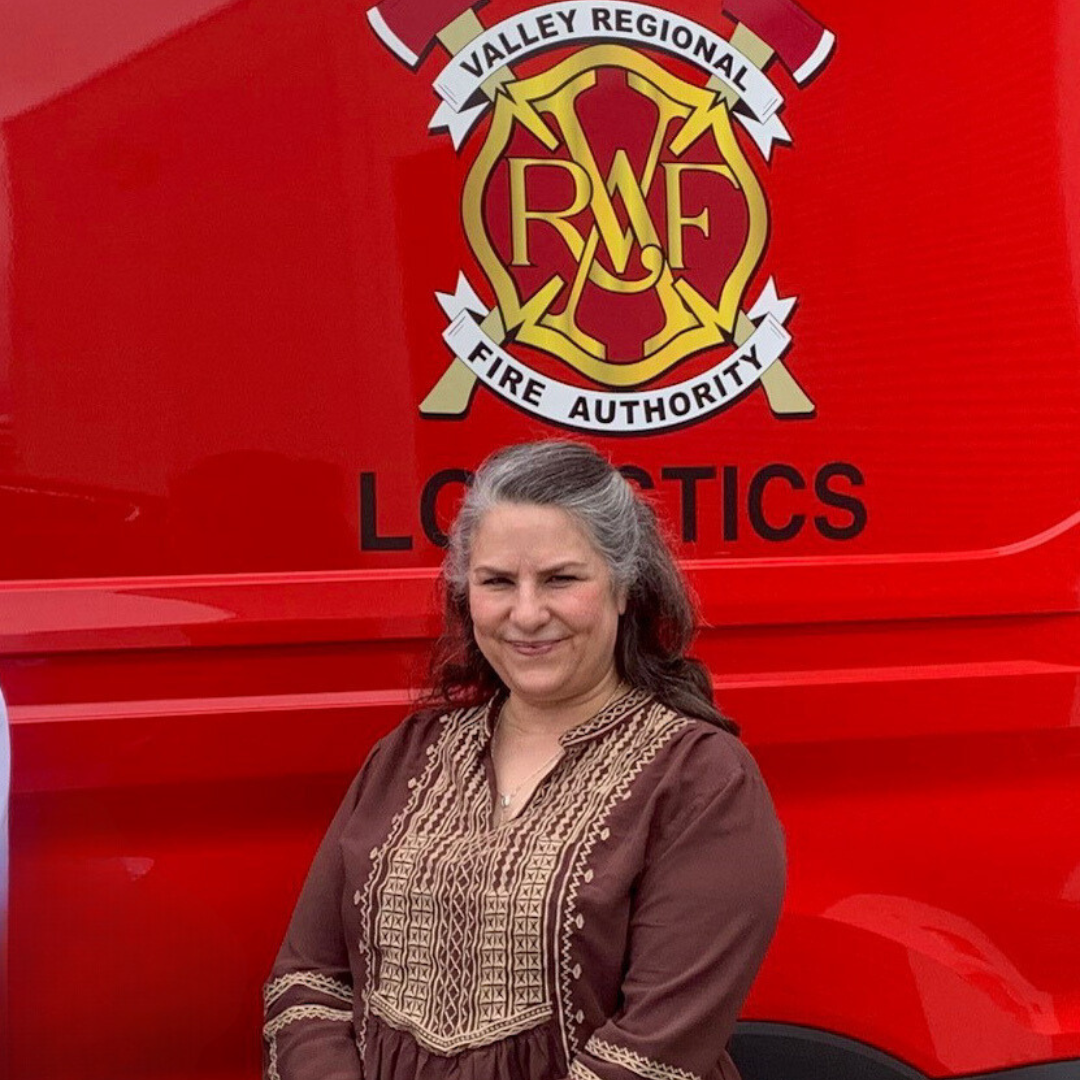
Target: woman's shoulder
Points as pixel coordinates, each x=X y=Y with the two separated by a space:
x=703 y=754
x=709 y=774
x=403 y=751
x=427 y=723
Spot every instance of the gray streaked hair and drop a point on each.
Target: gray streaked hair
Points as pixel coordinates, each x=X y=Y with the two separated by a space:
x=567 y=475
x=660 y=620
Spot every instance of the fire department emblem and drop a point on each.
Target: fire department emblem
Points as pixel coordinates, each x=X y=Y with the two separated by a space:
x=612 y=208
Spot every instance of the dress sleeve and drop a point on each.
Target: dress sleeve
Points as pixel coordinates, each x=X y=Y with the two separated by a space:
x=308 y=1031
x=702 y=917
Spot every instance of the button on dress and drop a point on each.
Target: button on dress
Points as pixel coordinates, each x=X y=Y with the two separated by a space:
x=610 y=930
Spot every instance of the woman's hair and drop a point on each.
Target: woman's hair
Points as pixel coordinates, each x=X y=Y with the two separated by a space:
x=659 y=623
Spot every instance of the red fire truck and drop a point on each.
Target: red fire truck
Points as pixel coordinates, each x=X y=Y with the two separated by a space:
x=279 y=273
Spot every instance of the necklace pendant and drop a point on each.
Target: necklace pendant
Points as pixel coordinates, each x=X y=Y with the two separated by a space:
x=505 y=800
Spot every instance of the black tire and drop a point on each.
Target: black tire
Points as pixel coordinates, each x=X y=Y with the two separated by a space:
x=765 y=1051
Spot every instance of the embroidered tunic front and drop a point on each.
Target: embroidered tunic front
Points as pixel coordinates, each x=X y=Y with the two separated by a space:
x=610 y=930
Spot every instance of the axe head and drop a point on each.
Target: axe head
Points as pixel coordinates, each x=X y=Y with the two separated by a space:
x=798 y=39
x=408 y=27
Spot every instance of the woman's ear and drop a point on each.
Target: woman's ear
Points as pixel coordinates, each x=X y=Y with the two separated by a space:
x=621 y=598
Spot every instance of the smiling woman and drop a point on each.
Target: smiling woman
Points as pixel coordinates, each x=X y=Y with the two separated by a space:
x=545 y=615
x=566 y=864
x=545 y=611
x=567 y=497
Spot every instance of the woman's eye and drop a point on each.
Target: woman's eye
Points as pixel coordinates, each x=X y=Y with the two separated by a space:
x=495 y=581
x=562 y=579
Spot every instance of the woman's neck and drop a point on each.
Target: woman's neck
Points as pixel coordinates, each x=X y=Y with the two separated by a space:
x=531 y=717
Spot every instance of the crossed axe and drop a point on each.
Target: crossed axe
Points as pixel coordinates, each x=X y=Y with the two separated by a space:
x=764 y=30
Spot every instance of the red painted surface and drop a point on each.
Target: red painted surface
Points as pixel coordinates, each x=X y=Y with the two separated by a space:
x=222 y=229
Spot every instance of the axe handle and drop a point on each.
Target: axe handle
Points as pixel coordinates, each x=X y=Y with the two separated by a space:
x=757 y=51
x=452 y=394
x=459 y=35
x=785 y=396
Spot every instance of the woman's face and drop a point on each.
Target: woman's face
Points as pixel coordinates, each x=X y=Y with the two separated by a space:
x=544 y=612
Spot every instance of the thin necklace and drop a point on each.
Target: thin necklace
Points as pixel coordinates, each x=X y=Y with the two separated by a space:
x=507 y=797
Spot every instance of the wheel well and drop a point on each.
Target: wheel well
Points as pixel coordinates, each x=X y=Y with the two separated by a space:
x=771 y=1051
x=767 y=1051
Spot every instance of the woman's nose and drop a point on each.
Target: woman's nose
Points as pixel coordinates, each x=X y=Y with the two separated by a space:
x=529 y=610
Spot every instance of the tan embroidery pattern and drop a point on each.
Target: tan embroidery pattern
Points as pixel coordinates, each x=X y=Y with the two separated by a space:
x=313 y=980
x=581 y=1072
x=636 y=1063
x=627 y=750
x=290 y=1016
x=605 y=719
x=460 y=912
x=460 y=916
x=418 y=784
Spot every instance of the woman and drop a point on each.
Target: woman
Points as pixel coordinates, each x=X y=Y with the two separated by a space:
x=569 y=866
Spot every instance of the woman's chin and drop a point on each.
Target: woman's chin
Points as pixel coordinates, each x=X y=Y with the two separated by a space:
x=539 y=682
x=537 y=690
x=548 y=688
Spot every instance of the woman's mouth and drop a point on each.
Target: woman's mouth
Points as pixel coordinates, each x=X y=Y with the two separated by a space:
x=533 y=648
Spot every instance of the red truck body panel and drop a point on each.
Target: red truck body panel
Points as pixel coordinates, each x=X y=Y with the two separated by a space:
x=223 y=230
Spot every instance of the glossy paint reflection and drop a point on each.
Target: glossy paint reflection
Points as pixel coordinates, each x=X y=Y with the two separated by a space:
x=183 y=348
x=956 y=967
x=51 y=46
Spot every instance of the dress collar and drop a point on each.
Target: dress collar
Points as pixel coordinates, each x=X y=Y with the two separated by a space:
x=612 y=714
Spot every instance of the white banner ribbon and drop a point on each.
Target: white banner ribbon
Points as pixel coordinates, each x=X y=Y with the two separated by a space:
x=570 y=21
x=607 y=411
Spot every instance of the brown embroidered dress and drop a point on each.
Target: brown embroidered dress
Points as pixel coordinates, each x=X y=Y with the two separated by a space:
x=611 y=929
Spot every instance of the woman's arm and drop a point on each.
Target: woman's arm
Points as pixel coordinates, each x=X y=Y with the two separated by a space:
x=703 y=916
x=308 y=1033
